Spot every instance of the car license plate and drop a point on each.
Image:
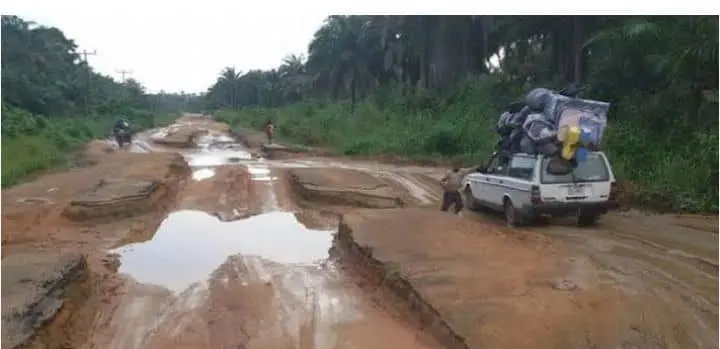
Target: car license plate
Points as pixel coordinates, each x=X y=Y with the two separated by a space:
x=576 y=190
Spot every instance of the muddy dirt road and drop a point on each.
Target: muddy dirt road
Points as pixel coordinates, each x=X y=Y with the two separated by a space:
x=232 y=266
x=195 y=239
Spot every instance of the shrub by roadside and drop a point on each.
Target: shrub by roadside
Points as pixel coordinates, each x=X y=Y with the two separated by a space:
x=32 y=143
x=675 y=169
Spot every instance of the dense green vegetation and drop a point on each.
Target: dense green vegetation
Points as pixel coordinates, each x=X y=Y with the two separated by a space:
x=434 y=85
x=52 y=102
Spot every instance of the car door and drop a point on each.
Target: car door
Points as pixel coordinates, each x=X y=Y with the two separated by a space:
x=520 y=176
x=492 y=183
x=478 y=183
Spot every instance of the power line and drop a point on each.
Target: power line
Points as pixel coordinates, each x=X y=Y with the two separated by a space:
x=123 y=73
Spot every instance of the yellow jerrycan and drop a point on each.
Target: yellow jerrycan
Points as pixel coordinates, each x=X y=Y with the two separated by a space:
x=569 y=136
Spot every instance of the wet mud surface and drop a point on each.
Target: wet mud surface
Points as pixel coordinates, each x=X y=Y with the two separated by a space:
x=238 y=264
x=231 y=249
x=479 y=283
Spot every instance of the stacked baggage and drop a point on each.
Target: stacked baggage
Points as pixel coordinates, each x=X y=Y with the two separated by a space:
x=552 y=124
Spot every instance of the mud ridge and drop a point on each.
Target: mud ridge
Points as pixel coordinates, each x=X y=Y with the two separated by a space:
x=42 y=324
x=152 y=195
x=278 y=151
x=343 y=197
x=60 y=331
x=86 y=209
x=387 y=276
x=64 y=315
x=182 y=138
x=250 y=140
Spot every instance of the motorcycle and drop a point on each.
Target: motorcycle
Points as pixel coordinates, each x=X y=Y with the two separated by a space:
x=123 y=138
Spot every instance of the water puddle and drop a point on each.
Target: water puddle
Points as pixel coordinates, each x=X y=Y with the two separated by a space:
x=216 y=157
x=203 y=173
x=271 y=264
x=214 y=139
x=190 y=245
x=260 y=172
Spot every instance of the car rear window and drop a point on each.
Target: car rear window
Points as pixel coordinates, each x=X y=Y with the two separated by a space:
x=522 y=167
x=593 y=169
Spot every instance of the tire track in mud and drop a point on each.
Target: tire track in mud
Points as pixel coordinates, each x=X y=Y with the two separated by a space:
x=672 y=276
x=418 y=190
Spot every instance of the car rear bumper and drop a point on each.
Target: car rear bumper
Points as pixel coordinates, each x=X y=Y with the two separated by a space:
x=565 y=208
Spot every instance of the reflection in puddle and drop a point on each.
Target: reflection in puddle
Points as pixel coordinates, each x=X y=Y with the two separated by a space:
x=189 y=245
x=203 y=174
x=216 y=149
x=259 y=172
x=215 y=157
x=209 y=139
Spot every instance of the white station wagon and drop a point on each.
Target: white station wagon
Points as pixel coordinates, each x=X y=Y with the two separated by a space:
x=524 y=189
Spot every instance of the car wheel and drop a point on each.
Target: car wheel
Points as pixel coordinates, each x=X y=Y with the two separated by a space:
x=512 y=216
x=587 y=219
x=470 y=201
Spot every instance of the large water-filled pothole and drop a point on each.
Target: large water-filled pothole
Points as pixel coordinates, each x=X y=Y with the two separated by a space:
x=268 y=275
x=190 y=245
x=258 y=282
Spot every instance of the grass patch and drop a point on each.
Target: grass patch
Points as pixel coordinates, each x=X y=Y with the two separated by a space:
x=31 y=143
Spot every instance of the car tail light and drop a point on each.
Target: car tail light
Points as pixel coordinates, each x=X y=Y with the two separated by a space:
x=613 y=191
x=535 y=197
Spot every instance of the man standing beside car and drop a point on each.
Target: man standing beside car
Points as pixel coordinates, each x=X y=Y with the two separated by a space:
x=452 y=183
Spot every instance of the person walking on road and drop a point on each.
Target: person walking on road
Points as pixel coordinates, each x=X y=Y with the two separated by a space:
x=269 y=131
x=452 y=183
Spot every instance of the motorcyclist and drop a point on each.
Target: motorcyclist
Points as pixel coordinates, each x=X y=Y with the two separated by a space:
x=121 y=126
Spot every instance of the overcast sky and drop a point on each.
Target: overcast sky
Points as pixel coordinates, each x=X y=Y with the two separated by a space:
x=183 y=46
x=182 y=50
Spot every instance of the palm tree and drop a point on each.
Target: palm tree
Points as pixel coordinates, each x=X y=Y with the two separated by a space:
x=339 y=55
x=228 y=83
x=293 y=76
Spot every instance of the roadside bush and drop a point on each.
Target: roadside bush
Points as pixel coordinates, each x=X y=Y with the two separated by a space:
x=673 y=162
x=32 y=143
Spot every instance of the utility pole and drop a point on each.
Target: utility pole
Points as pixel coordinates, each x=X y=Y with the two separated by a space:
x=87 y=53
x=123 y=73
x=84 y=54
